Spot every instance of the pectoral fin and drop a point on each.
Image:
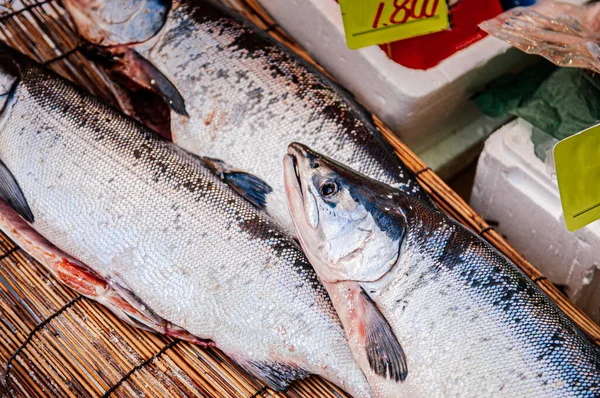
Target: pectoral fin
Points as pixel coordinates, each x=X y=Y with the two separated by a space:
x=12 y=194
x=252 y=188
x=386 y=356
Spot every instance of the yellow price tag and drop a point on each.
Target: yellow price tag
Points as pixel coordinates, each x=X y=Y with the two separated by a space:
x=577 y=161
x=368 y=22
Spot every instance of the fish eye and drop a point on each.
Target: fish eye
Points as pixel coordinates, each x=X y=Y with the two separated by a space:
x=329 y=188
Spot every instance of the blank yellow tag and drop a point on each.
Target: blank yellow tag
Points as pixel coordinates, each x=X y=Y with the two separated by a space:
x=369 y=22
x=577 y=161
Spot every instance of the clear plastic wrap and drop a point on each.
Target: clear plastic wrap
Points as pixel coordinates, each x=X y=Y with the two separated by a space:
x=549 y=164
x=566 y=34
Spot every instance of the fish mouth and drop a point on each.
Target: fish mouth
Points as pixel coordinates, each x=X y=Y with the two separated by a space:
x=294 y=151
x=293 y=188
x=297 y=173
x=291 y=164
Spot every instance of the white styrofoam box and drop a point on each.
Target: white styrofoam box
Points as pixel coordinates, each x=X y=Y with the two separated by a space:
x=513 y=188
x=456 y=150
x=427 y=109
x=419 y=105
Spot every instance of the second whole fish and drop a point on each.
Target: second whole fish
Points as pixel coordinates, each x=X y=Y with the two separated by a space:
x=236 y=94
x=430 y=308
x=144 y=227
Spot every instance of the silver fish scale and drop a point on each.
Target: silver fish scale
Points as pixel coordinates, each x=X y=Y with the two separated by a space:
x=148 y=216
x=248 y=98
x=472 y=324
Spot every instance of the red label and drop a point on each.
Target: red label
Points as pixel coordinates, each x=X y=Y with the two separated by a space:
x=427 y=51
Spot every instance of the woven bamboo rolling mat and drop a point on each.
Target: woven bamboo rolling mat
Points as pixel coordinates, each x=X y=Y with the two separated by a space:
x=54 y=342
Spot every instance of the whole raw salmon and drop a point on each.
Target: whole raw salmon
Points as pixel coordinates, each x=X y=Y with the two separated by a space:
x=430 y=309
x=236 y=94
x=130 y=219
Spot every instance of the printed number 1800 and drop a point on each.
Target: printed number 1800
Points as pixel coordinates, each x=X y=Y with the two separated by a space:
x=405 y=10
x=368 y=22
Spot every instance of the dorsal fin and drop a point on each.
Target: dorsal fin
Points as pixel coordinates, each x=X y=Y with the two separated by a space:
x=11 y=193
x=250 y=187
x=144 y=73
x=134 y=71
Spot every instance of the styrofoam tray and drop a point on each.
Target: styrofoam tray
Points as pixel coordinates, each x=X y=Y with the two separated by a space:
x=513 y=189
x=420 y=105
x=425 y=108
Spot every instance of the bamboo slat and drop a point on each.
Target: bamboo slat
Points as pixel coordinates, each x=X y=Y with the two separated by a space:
x=64 y=345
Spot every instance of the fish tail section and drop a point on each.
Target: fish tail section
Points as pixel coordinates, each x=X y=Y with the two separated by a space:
x=79 y=277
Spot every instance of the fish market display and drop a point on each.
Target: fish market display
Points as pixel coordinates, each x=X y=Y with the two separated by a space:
x=235 y=93
x=430 y=309
x=147 y=229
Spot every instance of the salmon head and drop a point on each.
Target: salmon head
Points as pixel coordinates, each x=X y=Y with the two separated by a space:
x=345 y=220
x=117 y=22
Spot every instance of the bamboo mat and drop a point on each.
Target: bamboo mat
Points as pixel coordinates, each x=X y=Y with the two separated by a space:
x=54 y=342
